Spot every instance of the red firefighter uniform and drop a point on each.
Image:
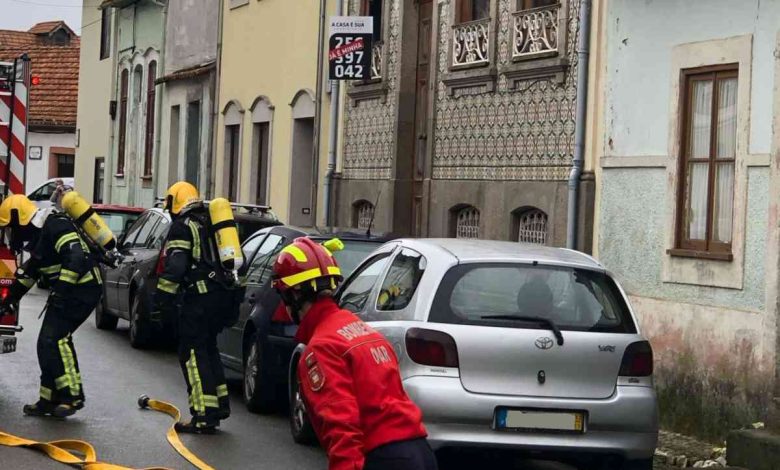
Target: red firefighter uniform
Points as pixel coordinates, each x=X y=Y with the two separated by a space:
x=352 y=387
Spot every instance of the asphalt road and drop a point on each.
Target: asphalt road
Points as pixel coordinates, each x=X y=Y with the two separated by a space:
x=114 y=375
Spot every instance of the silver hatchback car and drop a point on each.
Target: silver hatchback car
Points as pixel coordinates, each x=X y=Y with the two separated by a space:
x=512 y=346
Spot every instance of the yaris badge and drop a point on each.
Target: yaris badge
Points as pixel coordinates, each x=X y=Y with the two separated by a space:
x=544 y=343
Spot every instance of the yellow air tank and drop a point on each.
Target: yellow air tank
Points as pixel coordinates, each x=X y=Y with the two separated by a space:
x=226 y=234
x=89 y=220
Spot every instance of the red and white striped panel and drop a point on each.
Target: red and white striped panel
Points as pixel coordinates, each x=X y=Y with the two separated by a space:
x=16 y=139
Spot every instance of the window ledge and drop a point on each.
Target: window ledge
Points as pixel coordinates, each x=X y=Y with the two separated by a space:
x=534 y=68
x=147 y=177
x=367 y=90
x=705 y=255
x=482 y=79
x=119 y=175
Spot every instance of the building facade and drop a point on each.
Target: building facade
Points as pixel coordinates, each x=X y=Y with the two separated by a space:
x=687 y=206
x=271 y=146
x=53 y=49
x=139 y=37
x=188 y=89
x=96 y=80
x=467 y=127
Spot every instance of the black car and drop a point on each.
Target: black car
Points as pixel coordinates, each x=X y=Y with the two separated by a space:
x=260 y=345
x=128 y=289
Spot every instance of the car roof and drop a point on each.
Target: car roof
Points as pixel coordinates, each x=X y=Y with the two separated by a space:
x=291 y=231
x=469 y=251
x=118 y=208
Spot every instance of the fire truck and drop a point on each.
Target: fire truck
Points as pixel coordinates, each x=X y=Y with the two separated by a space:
x=14 y=86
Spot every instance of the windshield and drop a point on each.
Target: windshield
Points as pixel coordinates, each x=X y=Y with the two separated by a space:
x=118 y=221
x=574 y=299
x=354 y=253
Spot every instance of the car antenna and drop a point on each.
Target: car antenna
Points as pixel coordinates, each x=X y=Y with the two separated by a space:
x=373 y=213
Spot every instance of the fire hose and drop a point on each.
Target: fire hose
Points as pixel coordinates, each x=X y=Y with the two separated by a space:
x=83 y=454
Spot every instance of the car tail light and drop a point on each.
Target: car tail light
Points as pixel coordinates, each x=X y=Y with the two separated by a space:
x=160 y=263
x=431 y=348
x=637 y=360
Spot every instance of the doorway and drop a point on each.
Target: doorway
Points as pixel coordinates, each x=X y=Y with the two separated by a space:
x=302 y=173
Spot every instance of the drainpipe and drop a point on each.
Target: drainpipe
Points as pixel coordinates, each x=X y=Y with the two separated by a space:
x=583 y=54
x=159 y=104
x=215 y=82
x=318 y=109
x=333 y=132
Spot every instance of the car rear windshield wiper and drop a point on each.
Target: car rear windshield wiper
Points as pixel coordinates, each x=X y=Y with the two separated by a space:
x=546 y=321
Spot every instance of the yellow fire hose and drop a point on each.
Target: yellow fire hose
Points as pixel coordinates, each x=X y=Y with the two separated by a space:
x=63 y=451
x=173 y=437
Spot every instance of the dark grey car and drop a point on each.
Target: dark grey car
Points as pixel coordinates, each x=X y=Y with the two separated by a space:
x=129 y=288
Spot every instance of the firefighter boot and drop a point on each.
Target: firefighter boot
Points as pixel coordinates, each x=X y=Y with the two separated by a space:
x=195 y=427
x=41 y=409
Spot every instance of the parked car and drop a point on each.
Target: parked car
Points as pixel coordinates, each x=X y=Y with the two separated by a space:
x=119 y=218
x=128 y=289
x=261 y=343
x=510 y=347
x=41 y=195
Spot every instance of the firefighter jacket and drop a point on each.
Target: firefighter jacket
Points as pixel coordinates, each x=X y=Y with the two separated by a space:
x=62 y=256
x=352 y=387
x=188 y=252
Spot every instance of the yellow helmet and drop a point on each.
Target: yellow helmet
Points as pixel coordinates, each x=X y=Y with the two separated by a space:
x=179 y=196
x=17 y=210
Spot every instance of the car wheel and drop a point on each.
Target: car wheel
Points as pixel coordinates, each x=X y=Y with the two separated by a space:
x=103 y=319
x=259 y=387
x=140 y=330
x=300 y=426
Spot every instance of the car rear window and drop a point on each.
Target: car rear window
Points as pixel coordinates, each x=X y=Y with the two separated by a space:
x=575 y=299
x=118 y=221
x=248 y=227
x=353 y=254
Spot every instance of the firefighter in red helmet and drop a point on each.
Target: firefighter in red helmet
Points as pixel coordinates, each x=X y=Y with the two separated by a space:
x=348 y=373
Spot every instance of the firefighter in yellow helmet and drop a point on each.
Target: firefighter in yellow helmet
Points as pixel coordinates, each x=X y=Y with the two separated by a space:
x=193 y=289
x=58 y=253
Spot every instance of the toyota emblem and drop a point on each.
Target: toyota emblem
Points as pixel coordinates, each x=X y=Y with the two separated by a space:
x=544 y=342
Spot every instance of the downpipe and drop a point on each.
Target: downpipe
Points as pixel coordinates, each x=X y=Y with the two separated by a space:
x=583 y=57
x=333 y=136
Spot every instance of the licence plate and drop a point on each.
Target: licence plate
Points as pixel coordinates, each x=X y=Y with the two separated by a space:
x=536 y=420
x=7 y=344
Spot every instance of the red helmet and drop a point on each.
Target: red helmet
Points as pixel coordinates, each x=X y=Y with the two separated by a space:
x=306 y=264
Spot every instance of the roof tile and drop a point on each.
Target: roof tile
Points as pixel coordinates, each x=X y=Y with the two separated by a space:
x=54 y=101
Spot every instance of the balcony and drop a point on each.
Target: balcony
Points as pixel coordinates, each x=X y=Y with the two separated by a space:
x=536 y=33
x=539 y=46
x=471 y=43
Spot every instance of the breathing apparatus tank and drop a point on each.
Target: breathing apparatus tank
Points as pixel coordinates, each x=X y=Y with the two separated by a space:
x=85 y=217
x=223 y=225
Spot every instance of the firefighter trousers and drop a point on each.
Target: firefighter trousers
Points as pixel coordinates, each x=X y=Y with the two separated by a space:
x=201 y=318
x=60 y=374
x=414 y=454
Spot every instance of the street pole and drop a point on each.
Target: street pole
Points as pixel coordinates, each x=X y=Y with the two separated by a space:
x=318 y=111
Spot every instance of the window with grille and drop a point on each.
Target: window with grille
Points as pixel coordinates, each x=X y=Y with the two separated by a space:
x=105 y=33
x=364 y=213
x=151 y=100
x=532 y=227
x=123 y=87
x=467 y=223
